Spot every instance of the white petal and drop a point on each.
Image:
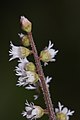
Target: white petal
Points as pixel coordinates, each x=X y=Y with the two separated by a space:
x=27 y=103
x=23 y=60
x=18 y=74
x=65 y=110
x=24 y=113
x=56 y=110
x=21 y=35
x=14 y=51
x=50 y=45
x=28 y=108
x=35 y=111
x=30 y=87
x=48 y=79
x=45 y=63
x=19 y=84
x=60 y=106
x=36 y=97
x=29 y=117
x=52 y=60
x=70 y=112
x=22 y=63
x=67 y=117
x=53 y=52
x=11 y=58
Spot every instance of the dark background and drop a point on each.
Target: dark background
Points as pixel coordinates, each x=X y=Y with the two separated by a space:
x=57 y=20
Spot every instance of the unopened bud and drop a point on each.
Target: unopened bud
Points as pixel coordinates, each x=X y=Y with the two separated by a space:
x=25 y=41
x=26 y=24
x=30 y=67
x=24 y=52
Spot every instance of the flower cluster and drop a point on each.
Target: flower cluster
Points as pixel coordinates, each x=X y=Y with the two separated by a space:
x=28 y=76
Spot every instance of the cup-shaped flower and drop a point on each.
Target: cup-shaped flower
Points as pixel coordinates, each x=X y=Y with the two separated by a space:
x=32 y=111
x=62 y=113
x=48 y=54
x=28 y=79
x=26 y=24
x=25 y=40
x=18 y=52
x=24 y=65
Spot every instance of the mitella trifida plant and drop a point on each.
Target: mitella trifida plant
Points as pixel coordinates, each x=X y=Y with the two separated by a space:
x=31 y=76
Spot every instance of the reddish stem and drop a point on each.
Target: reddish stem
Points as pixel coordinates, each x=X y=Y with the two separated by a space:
x=43 y=85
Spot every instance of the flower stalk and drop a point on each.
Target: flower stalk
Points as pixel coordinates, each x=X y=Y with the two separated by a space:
x=43 y=85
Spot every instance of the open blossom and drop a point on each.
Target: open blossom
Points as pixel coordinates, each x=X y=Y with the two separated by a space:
x=18 y=52
x=28 y=78
x=48 y=54
x=32 y=111
x=26 y=24
x=63 y=113
x=26 y=73
x=25 y=65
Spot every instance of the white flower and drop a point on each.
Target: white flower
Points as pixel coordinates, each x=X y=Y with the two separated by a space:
x=63 y=113
x=48 y=80
x=24 y=65
x=26 y=24
x=28 y=78
x=32 y=111
x=18 y=52
x=48 y=54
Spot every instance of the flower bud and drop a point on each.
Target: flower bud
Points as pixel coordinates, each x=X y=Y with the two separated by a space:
x=25 y=39
x=45 y=56
x=40 y=111
x=61 y=116
x=24 y=52
x=26 y=24
x=30 y=67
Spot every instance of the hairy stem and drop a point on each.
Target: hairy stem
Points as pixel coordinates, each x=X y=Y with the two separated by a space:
x=43 y=85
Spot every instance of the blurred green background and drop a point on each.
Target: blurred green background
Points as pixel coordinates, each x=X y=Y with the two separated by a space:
x=57 y=20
